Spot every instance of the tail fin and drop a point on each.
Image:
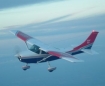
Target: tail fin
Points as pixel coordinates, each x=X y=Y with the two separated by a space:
x=87 y=44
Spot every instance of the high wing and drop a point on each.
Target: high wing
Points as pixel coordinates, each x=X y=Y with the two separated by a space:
x=33 y=43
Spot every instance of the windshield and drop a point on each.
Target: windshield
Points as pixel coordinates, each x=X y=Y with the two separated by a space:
x=35 y=48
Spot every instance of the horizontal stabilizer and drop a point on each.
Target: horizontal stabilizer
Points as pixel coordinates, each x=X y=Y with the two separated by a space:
x=88 y=51
x=72 y=59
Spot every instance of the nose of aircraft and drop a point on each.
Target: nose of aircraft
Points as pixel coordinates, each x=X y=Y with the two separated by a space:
x=18 y=56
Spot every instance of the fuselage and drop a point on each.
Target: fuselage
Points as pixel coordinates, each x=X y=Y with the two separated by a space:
x=38 y=57
x=42 y=51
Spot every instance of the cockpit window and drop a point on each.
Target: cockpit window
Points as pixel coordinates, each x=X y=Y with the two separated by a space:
x=35 y=49
x=43 y=52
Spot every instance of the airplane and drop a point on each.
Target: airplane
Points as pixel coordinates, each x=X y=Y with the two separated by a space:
x=47 y=53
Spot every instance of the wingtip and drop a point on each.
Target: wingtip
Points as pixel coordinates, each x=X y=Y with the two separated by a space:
x=14 y=31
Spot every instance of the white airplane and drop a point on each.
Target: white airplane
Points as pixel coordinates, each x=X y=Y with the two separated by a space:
x=46 y=53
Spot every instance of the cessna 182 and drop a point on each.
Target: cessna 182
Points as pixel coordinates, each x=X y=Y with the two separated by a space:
x=46 y=53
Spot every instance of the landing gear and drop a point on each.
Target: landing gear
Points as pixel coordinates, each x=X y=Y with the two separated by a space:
x=25 y=67
x=51 y=69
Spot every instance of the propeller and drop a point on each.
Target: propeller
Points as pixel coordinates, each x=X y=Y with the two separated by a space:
x=17 y=52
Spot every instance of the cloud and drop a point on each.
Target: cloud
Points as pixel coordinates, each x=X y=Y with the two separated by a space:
x=15 y=3
x=47 y=12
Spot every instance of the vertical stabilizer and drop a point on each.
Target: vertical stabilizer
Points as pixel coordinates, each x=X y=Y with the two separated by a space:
x=86 y=45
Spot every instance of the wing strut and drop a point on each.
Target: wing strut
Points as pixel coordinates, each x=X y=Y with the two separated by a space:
x=26 y=44
x=44 y=59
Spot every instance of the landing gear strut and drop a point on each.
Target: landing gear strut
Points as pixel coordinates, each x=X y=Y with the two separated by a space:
x=51 y=69
x=25 y=67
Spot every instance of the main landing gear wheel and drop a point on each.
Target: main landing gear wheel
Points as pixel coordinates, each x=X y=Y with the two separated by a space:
x=25 y=67
x=51 y=69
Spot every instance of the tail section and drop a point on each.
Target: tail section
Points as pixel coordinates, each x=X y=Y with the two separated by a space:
x=86 y=45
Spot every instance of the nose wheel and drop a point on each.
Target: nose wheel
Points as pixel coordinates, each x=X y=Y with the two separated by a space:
x=25 y=67
x=50 y=69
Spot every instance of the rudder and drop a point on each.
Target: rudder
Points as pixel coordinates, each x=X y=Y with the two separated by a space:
x=87 y=44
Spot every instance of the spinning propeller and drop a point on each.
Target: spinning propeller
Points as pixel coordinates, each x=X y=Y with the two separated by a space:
x=17 y=52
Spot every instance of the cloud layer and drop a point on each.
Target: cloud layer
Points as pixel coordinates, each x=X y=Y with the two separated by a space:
x=16 y=3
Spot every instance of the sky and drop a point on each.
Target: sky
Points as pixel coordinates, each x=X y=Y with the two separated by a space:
x=59 y=23
x=18 y=13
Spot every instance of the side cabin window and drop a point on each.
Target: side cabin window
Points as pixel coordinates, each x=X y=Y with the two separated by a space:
x=43 y=52
x=36 y=49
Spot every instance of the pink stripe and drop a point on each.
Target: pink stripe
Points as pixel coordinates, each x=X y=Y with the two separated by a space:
x=23 y=36
x=54 y=53
x=88 y=41
x=59 y=54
